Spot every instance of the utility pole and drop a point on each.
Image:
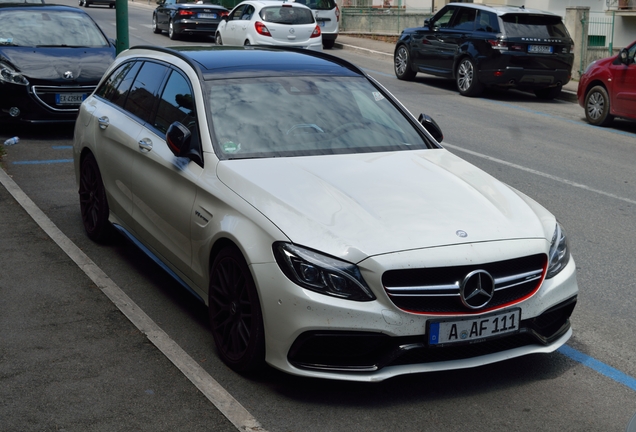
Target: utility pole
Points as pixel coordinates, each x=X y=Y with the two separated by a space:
x=121 y=19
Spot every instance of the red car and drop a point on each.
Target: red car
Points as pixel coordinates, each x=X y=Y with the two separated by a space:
x=607 y=88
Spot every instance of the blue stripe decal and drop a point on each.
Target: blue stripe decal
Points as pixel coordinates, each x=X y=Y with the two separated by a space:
x=598 y=366
x=42 y=162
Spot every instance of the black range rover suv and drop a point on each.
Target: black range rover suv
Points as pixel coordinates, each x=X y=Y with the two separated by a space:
x=480 y=46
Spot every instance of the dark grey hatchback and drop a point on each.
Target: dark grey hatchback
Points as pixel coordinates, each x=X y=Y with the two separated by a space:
x=483 y=46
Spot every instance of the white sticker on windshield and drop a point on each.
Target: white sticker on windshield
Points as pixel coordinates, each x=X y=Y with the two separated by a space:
x=377 y=96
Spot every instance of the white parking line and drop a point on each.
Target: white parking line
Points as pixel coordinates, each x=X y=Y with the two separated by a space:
x=210 y=388
x=540 y=173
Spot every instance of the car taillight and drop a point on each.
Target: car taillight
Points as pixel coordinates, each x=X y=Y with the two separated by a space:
x=498 y=44
x=316 y=32
x=185 y=13
x=261 y=29
x=337 y=13
x=225 y=13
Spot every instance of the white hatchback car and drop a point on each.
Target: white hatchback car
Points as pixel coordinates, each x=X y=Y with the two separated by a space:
x=287 y=24
x=327 y=230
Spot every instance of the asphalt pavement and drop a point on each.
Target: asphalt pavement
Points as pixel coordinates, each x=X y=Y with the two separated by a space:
x=71 y=358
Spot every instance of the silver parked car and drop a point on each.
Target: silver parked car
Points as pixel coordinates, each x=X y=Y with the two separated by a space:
x=327 y=230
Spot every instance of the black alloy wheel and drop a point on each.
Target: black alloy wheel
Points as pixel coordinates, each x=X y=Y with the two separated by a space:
x=402 y=64
x=466 y=77
x=93 y=202
x=235 y=312
x=597 y=107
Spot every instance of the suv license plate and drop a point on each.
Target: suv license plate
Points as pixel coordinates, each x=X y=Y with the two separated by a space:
x=473 y=329
x=69 y=98
x=540 y=49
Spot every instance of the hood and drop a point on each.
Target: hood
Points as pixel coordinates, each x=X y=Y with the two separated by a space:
x=50 y=64
x=355 y=206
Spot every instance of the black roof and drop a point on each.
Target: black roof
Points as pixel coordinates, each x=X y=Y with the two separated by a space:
x=220 y=62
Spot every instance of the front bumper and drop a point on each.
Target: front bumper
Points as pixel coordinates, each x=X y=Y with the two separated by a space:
x=315 y=335
x=37 y=103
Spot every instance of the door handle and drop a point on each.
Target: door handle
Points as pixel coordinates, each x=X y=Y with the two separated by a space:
x=145 y=144
x=103 y=122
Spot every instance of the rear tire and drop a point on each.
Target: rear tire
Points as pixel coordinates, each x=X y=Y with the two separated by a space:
x=597 y=107
x=466 y=78
x=548 y=93
x=172 y=34
x=402 y=64
x=235 y=312
x=155 y=27
x=93 y=202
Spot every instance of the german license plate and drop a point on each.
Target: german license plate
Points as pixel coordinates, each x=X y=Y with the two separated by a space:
x=69 y=98
x=207 y=15
x=540 y=49
x=473 y=329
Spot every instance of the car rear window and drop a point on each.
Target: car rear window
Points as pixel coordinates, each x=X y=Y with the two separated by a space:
x=538 y=26
x=287 y=15
x=318 y=4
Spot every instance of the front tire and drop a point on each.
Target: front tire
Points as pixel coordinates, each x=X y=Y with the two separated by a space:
x=235 y=312
x=597 y=107
x=93 y=202
x=217 y=39
x=172 y=34
x=466 y=78
x=402 y=64
x=155 y=27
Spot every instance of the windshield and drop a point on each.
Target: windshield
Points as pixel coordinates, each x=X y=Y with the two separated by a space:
x=538 y=26
x=299 y=116
x=38 y=27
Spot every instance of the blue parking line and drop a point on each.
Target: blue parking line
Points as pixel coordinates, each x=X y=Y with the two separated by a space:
x=598 y=366
x=36 y=162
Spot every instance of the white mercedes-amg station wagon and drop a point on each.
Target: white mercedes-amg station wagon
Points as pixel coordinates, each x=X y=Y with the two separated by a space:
x=326 y=228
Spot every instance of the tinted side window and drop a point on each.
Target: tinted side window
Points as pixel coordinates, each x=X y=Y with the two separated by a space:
x=487 y=22
x=116 y=87
x=143 y=93
x=237 y=13
x=176 y=104
x=465 y=19
x=318 y=4
x=539 y=26
x=443 y=19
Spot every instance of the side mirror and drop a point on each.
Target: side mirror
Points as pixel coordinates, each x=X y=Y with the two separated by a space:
x=178 y=139
x=225 y=18
x=431 y=126
x=623 y=55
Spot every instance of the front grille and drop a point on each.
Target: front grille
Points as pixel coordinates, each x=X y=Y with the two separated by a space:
x=437 y=290
x=368 y=352
x=47 y=96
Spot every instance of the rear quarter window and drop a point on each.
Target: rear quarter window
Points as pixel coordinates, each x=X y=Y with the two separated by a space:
x=538 y=26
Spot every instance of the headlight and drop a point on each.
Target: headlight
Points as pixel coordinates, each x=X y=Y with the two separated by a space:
x=321 y=273
x=559 y=255
x=9 y=75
